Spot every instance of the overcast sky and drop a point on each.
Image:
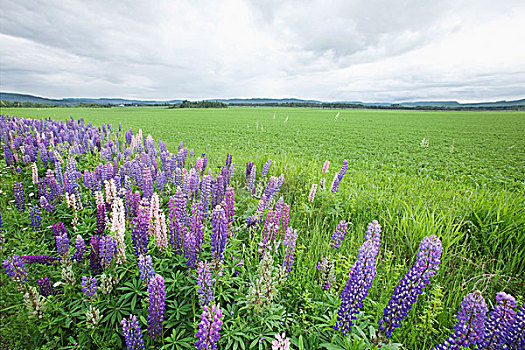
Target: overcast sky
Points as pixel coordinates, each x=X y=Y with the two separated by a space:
x=370 y=50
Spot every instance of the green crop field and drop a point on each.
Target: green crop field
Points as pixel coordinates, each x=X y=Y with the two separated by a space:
x=465 y=184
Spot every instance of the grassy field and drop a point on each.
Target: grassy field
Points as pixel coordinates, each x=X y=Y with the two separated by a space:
x=467 y=187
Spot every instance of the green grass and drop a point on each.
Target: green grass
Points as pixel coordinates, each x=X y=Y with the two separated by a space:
x=473 y=198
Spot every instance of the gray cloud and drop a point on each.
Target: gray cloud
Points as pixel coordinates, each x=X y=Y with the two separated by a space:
x=337 y=50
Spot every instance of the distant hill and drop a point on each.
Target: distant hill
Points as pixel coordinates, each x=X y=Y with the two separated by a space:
x=455 y=104
x=14 y=97
x=263 y=100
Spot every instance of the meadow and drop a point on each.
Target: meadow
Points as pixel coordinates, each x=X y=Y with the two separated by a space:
x=457 y=175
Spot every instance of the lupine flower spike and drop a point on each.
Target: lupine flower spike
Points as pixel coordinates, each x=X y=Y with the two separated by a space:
x=359 y=282
x=145 y=268
x=157 y=299
x=205 y=283
x=209 y=330
x=132 y=333
x=500 y=321
x=339 y=234
x=338 y=177
x=46 y=289
x=16 y=269
x=406 y=292
x=89 y=286
x=470 y=328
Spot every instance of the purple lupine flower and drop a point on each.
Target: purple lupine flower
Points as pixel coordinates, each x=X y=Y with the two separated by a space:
x=411 y=286
x=36 y=222
x=175 y=222
x=44 y=203
x=270 y=188
x=128 y=135
x=266 y=167
x=500 y=321
x=228 y=159
x=339 y=234
x=250 y=181
x=157 y=299
x=147 y=184
x=194 y=238
x=206 y=193
x=516 y=334
x=80 y=249
x=16 y=269
x=358 y=284
x=217 y=191
x=209 y=330
x=289 y=253
x=94 y=257
x=326 y=165
x=131 y=330
x=128 y=203
x=225 y=172
x=261 y=206
x=219 y=233
x=46 y=289
x=139 y=233
x=19 y=196
x=189 y=243
x=205 y=283
x=311 y=195
x=58 y=173
x=8 y=156
x=107 y=249
x=470 y=328
x=249 y=166
x=54 y=188
x=58 y=228
x=89 y=286
x=339 y=177
x=145 y=268
x=161 y=182
x=101 y=219
x=1 y=222
x=40 y=259
x=61 y=239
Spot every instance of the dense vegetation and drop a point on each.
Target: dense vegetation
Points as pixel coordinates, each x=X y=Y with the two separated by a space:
x=200 y=104
x=457 y=175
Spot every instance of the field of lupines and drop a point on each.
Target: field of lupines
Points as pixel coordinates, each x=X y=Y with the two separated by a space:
x=111 y=240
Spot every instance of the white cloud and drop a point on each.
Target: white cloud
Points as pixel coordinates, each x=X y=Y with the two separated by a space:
x=334 y=50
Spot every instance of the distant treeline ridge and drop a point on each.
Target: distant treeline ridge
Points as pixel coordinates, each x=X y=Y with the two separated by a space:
x=217 y=104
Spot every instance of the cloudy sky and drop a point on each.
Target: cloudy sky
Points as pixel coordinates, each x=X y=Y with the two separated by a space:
x=371 y=50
